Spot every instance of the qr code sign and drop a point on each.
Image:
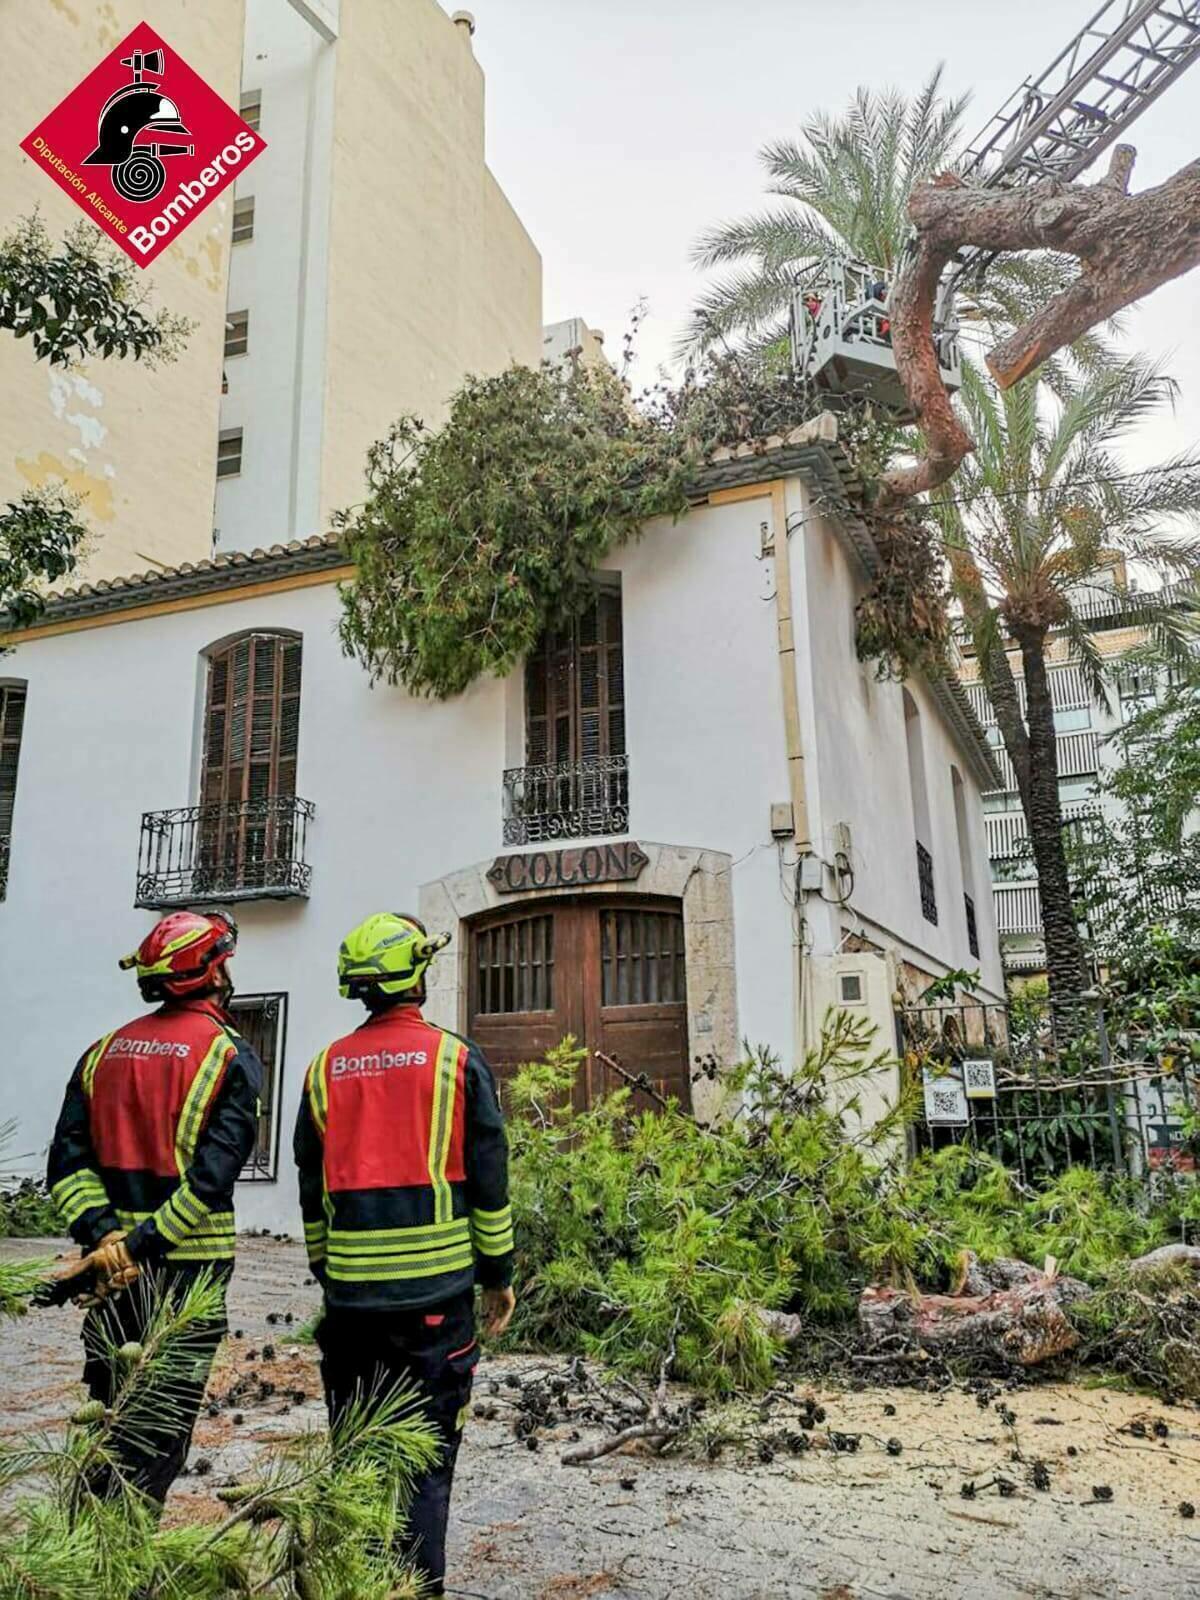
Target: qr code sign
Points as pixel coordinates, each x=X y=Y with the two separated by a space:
x=979 y=1079
x=945 y=1101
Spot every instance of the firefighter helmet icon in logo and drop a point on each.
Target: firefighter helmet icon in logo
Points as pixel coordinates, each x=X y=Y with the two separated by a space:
x=138 y=108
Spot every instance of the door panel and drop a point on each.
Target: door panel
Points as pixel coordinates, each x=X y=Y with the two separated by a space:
x=612 y=973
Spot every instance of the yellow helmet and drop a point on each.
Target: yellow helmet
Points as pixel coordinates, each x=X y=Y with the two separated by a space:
x=387 y=952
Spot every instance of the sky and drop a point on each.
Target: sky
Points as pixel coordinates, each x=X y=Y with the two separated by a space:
x=621 y=131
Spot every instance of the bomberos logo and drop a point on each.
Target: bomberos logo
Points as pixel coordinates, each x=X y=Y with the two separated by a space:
x=143 y=144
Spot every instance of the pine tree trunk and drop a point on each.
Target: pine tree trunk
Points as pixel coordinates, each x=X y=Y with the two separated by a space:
x=1066 y=968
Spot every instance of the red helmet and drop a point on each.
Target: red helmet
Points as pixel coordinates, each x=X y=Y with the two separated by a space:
x=183 y=952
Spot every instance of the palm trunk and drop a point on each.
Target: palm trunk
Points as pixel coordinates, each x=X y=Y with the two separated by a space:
x=1066 y=968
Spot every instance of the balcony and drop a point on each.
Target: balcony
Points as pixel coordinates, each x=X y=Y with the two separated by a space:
x=972 y=926
x=571 y=800
x=1018 y=908
x=925 y=879
x=197 y=855
x=5 y=843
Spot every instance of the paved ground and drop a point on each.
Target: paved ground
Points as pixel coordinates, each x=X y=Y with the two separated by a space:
x=823 y=1526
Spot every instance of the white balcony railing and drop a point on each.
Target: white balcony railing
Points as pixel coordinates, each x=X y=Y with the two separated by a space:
x=1018 y=908
x=1007 y=834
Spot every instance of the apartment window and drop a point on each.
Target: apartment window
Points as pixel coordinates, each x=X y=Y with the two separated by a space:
x=261 y=1019
x=12 y=719
x=1076 y=719
x=1072 y=790
x=229 y=452
x=237 y=333
x=251 y=109
x=243 y=220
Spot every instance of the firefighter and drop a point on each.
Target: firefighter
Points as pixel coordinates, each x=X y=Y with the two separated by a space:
x=159 y=1119
x=404 y=1188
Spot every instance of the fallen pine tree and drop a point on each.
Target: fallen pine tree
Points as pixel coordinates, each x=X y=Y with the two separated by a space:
x=652 y=1242
x=319 y=1518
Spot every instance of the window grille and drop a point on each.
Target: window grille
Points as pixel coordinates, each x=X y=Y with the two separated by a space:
x=12 y=721
x=261 y=1019
x=641 y=957
x=514 y=966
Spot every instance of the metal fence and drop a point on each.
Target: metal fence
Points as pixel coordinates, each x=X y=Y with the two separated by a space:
x=1042 y=1090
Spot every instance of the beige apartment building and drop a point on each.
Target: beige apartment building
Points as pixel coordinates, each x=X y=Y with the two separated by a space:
x=359 y=269
x=136 y=444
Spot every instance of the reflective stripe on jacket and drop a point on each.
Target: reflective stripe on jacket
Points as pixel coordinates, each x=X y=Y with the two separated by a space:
x=159 y=1119
x=403 y=1166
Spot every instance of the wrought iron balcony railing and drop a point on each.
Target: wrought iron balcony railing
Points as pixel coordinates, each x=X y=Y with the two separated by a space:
x=925 y=879
x=572 y=800
x=253 y=850
x=5 y=842
x=972 y=926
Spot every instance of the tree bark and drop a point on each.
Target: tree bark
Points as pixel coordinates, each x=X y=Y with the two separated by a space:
x=1126 y=245
x=1014 y=1314
x=1066 y=968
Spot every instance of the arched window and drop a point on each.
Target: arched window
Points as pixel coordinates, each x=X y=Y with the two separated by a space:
x=247 y=814
x=251 y=719
x=12 y=720
x=962 y=828
x=919 y=790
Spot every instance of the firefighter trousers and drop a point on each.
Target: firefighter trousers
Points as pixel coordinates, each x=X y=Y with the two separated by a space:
x=150 y=1463
x=433 y=1349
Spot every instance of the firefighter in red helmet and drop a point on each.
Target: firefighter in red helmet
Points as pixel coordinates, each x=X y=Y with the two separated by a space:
x=159 y=1119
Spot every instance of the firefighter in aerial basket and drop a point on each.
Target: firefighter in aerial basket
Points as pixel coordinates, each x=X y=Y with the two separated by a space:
x=159 y=1120
x=404 y=1188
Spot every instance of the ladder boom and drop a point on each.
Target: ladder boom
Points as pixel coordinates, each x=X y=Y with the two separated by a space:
x=1055 y=126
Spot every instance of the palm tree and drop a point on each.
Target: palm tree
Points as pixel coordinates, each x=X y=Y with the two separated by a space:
x=1031 y=521
x=845 y=183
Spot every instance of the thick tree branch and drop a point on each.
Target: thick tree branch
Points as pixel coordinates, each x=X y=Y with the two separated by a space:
x=1126 y=245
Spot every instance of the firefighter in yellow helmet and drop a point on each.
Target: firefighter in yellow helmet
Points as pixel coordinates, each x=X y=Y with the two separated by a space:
x=403 y=1169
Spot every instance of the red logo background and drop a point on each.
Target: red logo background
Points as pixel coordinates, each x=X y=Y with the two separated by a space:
x=71 y=132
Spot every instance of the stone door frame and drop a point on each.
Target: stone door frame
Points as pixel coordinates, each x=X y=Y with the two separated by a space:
x=702 y=882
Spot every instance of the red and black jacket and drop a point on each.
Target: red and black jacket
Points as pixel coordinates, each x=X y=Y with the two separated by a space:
x=159 y=1119
x=403 y=1166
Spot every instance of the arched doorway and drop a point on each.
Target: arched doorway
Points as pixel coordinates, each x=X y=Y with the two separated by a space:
x=610 y=971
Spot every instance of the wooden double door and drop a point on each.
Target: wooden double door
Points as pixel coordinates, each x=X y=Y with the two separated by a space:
x=610 y=972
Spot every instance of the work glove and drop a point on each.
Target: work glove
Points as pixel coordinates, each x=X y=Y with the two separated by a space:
x=115 y=1269
x=498 y=1308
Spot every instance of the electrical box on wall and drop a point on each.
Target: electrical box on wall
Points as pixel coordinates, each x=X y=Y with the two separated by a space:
x=782 y=825
x=812 y=874
x=862 y=983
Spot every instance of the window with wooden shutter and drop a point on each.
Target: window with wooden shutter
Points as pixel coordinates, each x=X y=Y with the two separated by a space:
x=12 y=719
x=575 y=782
x=248 y=765
x=575 y=689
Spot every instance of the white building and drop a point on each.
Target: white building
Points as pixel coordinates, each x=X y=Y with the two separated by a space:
x=375 y=260
x=696 y=820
